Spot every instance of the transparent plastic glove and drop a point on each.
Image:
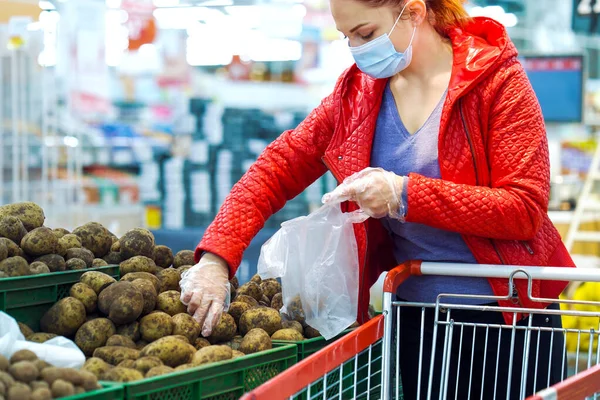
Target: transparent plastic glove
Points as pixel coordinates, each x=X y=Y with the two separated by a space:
x=377 y=192
x=205 y=290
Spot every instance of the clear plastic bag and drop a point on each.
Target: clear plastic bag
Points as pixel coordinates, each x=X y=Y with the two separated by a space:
x=58 y=351
x=316 y=258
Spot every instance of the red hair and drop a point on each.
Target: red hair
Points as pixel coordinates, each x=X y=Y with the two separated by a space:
x=443 y=14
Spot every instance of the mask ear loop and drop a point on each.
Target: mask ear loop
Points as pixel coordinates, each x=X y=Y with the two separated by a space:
x=398 y=19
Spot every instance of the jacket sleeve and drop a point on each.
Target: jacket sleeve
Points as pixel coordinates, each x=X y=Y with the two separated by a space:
x=286 y=167
x=512 y=208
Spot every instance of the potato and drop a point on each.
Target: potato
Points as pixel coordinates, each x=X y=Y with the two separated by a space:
x=97 y=280
x=256 y=340
x=12 y=248
x=23 y=355
x=116 y=247
x=260 y=317
x=41 y=364
x=115 y=354
x=120 y=340
x=6 y=379
x=224 y=330
x=138 y=264
x=265 y=302
x=171 y=351
x=96 y=366
x=131 y=330
x=140 y=344
x=148 y=292
x=15 y=266
x=41 y=337
x=234 y=282
x=122 y=302
x=155 y=326
x=145 y=364
x=295 y=311
x=39 y=384
x=94 y=334
x=183 y=367
x=75 y=264
x=250 y=289
x=170 y=302
x=113 y=258
x=160 y=370
x=232 y=292
x=310 y=332
x=39 y=242
x=19 y=391
x=211 y=354
x=89 y=381
x=270 y=287
x=12 y=228
x=137 y=242
x=61 y=388
x=25 y=330
x=60 y=232
x=41 y=394
x=71 y=375
x=119 y=374
x=64 y=318
x=288 y=335
x=246 y=299
x=163 y=256
x=98 y=262
x=67 y=242
x=201 y=343
x=277 y=301
x=51 y=374
x=95 y=238
x=184 y=257
x=297 y=326
x=31 y=215
x=169 y=279
x=3 y=251
x=24 y=371
x=256 y=279
x=234 y=343
x=132 y=276
x=3 y=363
x=38 y=268
x=180 y=337
x=83 y=254
x=185 y=325
x=182 y=269
x=86 y=295
x=236 y=354
x=126 y=364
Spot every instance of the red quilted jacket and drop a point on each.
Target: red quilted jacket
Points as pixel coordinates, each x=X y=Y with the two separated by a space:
x=493 y=159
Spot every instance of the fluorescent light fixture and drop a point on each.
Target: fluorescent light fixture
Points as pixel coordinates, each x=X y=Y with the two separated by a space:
x=46 y=5
x=216 y=3
x=70 y=141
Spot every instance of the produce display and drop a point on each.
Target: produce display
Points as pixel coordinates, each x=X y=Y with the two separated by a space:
x=588 y=291
x=29 y=248
x=24 y=376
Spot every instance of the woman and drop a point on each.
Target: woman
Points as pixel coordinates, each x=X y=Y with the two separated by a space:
x=436 y=133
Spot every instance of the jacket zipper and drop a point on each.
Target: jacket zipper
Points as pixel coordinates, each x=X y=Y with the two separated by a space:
x=527 y=247
x=515 y=294
x=364 y=261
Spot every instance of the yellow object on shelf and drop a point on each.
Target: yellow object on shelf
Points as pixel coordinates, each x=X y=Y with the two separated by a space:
x=589 y=326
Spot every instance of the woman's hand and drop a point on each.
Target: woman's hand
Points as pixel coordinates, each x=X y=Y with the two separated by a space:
x=377 y=192
x=205 y=290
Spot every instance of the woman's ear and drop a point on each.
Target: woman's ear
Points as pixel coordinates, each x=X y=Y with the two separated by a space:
x=417 y=10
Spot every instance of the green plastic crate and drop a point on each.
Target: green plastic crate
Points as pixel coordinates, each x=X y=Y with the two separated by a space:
x=310 y=346
x=27 y=298
x=225 y=380
x=109 y=391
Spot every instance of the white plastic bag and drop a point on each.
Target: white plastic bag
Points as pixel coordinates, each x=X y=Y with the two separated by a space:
x=59 y=351
x=316 y=258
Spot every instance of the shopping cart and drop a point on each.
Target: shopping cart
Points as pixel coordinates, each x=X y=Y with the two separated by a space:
x=450 y=356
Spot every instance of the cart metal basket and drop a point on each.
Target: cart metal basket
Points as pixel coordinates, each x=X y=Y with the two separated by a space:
x=451 y=351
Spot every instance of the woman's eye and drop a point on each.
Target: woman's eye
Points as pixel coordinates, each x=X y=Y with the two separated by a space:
x=367 y=37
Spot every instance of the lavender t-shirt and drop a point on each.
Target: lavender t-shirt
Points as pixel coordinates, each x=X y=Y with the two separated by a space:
x=396 y=150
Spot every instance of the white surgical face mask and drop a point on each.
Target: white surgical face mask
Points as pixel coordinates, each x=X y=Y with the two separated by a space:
x=379 y=59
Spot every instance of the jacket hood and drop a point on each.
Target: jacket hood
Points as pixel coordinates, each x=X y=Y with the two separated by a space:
x=480 y=47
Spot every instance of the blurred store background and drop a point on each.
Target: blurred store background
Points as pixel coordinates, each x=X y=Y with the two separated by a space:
x=145 y=113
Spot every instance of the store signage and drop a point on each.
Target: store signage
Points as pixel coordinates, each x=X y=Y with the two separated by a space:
x=140 y=22
x=586 y=14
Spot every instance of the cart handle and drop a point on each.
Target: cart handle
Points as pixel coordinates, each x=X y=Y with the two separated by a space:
x=314 y=367
x=399 y=274
x=577 y=387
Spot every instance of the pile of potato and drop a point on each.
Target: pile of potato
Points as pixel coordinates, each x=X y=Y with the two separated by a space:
x=25 y=377
x=29 y=248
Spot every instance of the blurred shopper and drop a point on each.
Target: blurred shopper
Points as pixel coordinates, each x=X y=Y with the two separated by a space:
x=437 y=135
